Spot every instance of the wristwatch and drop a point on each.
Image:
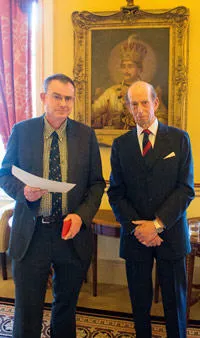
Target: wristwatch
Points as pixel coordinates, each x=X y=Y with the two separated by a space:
x=158 y=227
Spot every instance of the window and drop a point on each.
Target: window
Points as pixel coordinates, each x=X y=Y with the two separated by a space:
x=33 y=73
x=34 y=22
x=33 y=77
x=42 y=57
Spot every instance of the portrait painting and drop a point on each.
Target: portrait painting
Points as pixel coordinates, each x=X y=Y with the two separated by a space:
x=113 y=50
x=119 y=58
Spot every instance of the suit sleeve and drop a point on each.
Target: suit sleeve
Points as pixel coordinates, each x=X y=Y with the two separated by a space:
x=121 y=205
x=10 y=184
x=177 y=202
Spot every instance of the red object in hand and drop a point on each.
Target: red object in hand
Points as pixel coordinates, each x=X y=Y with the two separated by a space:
x=66 y=227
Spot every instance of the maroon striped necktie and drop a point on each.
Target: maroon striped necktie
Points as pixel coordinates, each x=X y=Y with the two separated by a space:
x=146 y=144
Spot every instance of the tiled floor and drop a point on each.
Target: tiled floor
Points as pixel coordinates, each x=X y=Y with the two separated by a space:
x=110 y=297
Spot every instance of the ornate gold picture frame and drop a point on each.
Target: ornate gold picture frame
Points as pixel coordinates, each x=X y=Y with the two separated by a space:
x=108 y=44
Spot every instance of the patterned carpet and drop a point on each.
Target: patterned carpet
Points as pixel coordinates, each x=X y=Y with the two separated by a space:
x=90 y=324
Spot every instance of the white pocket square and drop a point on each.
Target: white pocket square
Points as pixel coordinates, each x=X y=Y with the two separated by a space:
x=169 y=155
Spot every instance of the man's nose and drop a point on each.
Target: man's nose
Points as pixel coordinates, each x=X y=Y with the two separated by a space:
x=140 y=107
x=63 y=101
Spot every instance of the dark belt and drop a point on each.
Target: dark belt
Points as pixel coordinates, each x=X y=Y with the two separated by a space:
x=50 y=219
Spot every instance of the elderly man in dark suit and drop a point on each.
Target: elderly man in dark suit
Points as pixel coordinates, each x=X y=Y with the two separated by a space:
x=36 y=241
x=151 y=185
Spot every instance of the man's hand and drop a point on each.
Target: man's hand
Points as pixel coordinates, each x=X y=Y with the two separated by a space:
x=146 y=233
x=33 y=194
x=76 y=223
x=156 y=241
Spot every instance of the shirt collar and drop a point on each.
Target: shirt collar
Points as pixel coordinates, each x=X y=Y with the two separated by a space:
x=153 y=128
x=48 y=129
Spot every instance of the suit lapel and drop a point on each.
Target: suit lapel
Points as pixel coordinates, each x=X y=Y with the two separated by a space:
x=37 y=147
x=134 y=150
x=73 y=147
x=162 y=145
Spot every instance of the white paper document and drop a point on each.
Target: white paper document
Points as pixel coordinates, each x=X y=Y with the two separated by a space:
x=39 y=182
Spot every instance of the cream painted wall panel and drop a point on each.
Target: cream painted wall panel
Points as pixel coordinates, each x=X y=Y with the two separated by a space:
x=194 y=207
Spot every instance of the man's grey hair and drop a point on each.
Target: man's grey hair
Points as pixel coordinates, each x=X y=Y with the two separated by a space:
x=60 y=77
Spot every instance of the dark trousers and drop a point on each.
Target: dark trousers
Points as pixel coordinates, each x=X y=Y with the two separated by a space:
x=172 y=279
x=31 y=275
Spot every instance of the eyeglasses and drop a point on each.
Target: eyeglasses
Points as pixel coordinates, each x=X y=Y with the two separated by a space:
x=58 y=98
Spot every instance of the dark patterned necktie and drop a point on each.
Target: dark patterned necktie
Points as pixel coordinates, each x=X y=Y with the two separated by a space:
x=55 y=174
x=146 y=144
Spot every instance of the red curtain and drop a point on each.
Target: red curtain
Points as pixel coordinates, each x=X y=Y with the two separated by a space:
x=15 y=64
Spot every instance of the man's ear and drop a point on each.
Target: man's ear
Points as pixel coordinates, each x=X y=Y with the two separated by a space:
x=42 y=97
x=156 y=103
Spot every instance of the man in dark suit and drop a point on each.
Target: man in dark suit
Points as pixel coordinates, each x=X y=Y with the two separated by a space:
x=36 y=241
x=151 y=185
